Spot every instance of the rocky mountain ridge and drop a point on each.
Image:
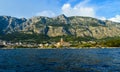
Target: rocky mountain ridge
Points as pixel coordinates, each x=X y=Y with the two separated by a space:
x=60 y=25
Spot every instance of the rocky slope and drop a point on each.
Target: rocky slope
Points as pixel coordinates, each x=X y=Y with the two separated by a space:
x=10 y=24
x=60 y=25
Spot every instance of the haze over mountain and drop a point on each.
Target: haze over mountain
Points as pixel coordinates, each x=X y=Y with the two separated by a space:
x=60 y=25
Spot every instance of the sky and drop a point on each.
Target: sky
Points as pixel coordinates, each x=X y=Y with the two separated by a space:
x=101 y=9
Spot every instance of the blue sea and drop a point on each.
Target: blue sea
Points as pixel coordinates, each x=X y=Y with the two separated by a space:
x=60 y=60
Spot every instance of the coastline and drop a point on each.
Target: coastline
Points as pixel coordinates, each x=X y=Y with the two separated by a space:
x=64 y=48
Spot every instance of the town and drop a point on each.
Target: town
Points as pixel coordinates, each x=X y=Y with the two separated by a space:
x=59 y=44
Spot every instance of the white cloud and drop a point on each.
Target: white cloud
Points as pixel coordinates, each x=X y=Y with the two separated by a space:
x=102 y=18
x=115 y=19
x=46 y=13
x=83 y=3
x=78 y=10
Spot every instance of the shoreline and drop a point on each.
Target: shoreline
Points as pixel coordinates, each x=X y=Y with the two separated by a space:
x=66 y=48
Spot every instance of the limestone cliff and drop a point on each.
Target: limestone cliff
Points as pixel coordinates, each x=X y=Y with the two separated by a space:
x=60 y=25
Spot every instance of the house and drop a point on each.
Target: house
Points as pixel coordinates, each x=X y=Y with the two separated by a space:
x=2 y=44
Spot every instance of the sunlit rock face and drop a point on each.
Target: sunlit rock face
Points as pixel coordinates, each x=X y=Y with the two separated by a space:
x=60 y=25
x=10 y=24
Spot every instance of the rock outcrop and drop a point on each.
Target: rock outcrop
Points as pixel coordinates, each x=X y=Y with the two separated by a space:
x=60 y=25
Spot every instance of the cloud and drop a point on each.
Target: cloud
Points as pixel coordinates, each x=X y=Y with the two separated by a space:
x=46 y=13
x=115 y=19
x=80 y=9
x=102 y=18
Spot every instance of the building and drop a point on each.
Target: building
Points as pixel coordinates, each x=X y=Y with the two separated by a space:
x=62 y=43
x=2 y=43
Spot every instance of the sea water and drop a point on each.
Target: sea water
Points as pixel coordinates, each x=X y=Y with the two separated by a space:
x=60 y=60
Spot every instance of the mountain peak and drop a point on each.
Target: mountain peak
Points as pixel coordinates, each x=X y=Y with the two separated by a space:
x=60 y=25
x=62 y=16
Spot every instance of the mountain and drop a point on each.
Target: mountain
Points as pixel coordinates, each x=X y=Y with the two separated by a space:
x=9 y=24
x=60 y=25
